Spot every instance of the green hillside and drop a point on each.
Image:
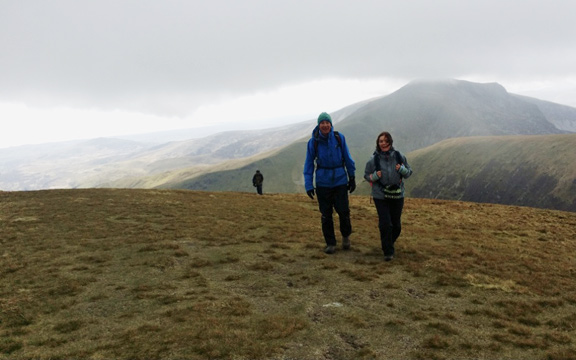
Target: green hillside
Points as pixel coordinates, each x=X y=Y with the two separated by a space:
x=278 y=168
x=537 y=171
x=418 y=115
x=165 y=274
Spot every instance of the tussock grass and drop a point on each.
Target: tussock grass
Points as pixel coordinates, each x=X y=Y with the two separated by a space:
x=157 y=274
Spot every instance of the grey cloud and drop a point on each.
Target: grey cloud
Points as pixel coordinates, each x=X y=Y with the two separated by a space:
x=170 y=56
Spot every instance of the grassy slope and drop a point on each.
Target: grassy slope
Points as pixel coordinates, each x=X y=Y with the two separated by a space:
x=418 y=115
x=169 y=274
x=538 y=171
x=280 y=173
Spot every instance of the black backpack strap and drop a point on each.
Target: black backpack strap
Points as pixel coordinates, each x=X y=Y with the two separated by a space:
x=337 y=136
x=399 y=161
x=377 y=160
x=398 y=157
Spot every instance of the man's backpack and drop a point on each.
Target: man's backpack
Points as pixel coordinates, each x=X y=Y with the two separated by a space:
x=257 y=179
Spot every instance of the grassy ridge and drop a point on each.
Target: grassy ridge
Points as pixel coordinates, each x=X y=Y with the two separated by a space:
x=418 y=115
x=168 y=274
x=537 y=171
x=526 y=170
x=278 y=168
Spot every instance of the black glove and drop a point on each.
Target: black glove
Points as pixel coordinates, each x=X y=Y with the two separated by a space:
x=352 y=184
x=310 y=194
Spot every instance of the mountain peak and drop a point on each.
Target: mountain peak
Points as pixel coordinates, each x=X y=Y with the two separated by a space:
x=444 y=84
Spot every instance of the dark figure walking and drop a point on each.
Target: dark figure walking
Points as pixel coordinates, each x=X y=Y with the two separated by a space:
x=334 y=172
x=257 y=181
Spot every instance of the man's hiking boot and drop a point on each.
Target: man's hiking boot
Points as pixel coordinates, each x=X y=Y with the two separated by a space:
x=346 y=242
x=330 y=249
x=388 y=257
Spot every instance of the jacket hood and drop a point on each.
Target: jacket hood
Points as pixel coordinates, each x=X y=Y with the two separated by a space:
x=378 y=151
x=317 y=131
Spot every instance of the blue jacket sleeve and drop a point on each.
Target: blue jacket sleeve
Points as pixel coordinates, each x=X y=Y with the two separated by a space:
x=309 y=166
x=349 y=162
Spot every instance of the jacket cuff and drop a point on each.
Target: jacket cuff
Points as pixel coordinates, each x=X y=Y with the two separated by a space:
x=403 y=170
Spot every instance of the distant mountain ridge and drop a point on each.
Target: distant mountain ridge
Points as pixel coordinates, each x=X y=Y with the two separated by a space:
x=418 y=115
x=425 y=112
x=105 y=161
x=561 y=116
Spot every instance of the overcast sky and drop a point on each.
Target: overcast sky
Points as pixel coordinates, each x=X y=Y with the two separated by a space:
x=74 y=69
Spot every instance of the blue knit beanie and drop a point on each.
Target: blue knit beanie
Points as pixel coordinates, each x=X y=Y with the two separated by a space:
x=324 y=117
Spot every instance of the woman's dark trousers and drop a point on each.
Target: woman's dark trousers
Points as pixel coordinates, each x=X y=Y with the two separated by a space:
x=389 y=224
x=330 y=199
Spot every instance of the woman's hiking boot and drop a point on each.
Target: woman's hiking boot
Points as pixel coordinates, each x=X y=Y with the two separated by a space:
x=346 y=242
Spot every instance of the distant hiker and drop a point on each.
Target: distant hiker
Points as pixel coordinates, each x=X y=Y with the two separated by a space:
x=257 y=181
x=335 y=171
x=386 y=170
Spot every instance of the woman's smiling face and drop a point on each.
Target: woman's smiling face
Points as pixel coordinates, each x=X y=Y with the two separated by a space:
x=383 y=143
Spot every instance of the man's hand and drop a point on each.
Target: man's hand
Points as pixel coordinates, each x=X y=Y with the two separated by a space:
x=311 y=193
x=351 y=184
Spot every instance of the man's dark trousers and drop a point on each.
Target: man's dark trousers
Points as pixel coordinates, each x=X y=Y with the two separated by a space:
x=330 y=199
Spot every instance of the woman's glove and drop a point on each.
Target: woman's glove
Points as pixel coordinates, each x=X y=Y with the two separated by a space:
x=403 y=170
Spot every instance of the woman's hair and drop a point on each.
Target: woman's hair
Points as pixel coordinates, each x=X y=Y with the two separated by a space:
x=388 y=137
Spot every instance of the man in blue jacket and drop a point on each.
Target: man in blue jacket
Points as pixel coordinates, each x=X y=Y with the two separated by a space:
x=335 y=176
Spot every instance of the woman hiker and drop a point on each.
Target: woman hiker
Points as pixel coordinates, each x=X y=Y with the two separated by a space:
x=386 y=170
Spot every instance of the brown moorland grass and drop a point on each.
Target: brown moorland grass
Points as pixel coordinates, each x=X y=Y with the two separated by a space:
x=161 y=274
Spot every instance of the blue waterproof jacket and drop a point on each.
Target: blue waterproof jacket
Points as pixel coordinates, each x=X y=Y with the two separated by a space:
x=334 y=165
